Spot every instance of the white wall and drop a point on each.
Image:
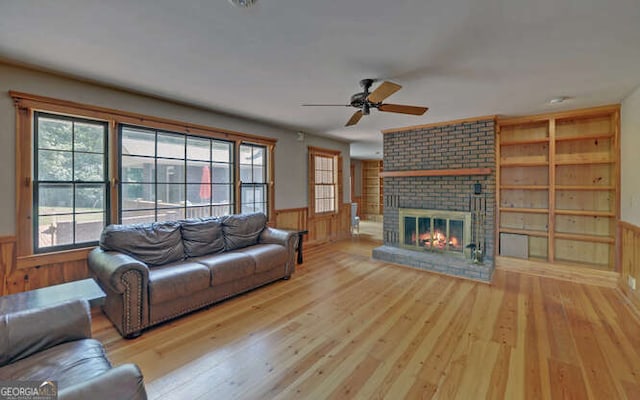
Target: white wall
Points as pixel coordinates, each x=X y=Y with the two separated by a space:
x=630 y=158
x=290 y=155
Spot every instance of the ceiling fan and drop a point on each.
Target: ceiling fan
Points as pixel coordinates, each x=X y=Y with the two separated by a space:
x=366 y=100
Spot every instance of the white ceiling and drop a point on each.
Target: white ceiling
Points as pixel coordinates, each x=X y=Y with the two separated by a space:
x=461 y=58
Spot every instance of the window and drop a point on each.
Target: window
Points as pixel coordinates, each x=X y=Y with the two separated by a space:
x=70 y=181
x=253 y=178
x=323 y=165
x=80 y=167
x=168 y=176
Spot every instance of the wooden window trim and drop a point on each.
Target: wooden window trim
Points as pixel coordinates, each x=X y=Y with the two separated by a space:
x=336 y=155
x=25 y=106
x=48 y=104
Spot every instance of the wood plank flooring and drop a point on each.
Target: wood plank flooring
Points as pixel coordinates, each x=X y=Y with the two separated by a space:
x=349 y=327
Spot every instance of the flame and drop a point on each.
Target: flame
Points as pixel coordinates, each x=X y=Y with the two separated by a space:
x=439 y=241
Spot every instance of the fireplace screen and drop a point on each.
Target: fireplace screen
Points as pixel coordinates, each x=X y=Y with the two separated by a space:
x=435 y=230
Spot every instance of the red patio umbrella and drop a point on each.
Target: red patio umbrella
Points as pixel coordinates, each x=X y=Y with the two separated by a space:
x=205 y=184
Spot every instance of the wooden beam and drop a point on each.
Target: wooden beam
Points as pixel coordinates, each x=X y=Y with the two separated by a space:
x=437 y=172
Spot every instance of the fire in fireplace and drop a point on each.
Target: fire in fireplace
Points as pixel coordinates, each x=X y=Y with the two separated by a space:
x=435 y=230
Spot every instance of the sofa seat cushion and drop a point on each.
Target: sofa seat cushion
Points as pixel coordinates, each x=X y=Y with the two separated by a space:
x=227 y=267
x=155 y=243
x=180 y=279
x=267 y=256
x=68 y=363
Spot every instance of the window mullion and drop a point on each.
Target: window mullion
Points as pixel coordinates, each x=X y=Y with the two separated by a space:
x=73 y=181
x=155 y=178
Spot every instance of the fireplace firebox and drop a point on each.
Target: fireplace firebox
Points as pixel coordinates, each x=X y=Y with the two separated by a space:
x=435 y=230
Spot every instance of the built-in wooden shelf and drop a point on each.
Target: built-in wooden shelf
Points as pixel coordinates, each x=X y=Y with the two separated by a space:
x=525 y=210
x=524 y=187
x=528 y=232
x=563 y=169
x=521 y=142
x=586 y=187
x=437 y=172
x=585 y=238
x=372 y=188
x=594 y=136
x=505 y=164
x=580 y=161
x=586 y=213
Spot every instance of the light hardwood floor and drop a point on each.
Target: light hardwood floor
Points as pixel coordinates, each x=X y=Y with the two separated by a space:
x=346 y=326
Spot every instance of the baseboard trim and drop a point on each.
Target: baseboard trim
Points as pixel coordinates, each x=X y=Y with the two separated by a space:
x=630 y=300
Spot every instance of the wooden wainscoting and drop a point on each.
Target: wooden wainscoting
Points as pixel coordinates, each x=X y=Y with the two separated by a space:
x=291 y=218
x=322 y=228
x=30 y=273
x=38 y=271
x=630 y=261
x=7 y=260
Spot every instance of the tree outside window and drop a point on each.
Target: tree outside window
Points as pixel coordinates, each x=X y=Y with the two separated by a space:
x=70 y=181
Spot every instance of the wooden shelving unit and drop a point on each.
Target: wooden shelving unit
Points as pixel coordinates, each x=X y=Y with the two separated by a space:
x=372 y=189
x=558 y=179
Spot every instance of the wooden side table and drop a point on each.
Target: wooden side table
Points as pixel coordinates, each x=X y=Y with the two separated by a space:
x=86 y=289
x=299 y=248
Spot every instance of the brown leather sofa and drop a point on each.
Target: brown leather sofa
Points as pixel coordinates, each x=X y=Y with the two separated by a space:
x=155 y=272
x=54 y=344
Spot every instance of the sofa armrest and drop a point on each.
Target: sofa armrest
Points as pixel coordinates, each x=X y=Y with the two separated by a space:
x=125 y=280
x=26 y=332
x=278 y=236
x=124 y=382
x=110 y=268
x=288 y=239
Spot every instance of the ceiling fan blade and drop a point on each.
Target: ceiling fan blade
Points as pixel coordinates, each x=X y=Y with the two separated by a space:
x=402 y=109
x=383 y=91
x=354 y=118
x=325 y=105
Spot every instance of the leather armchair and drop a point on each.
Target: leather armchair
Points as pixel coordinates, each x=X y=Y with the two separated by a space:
x=54 y=344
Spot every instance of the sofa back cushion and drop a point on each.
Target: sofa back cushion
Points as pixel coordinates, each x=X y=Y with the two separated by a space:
x=201 y=236
x=242 y=230
x=155 y=243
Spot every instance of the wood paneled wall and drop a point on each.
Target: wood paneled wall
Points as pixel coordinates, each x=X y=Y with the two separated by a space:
x=630 y=260
x=321 y=229
x=15 y=278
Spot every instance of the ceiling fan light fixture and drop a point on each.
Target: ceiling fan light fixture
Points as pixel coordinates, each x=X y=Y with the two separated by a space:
x=243 y=3
x=364 y=101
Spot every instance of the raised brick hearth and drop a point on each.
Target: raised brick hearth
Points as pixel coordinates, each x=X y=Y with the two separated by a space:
x=457 y=146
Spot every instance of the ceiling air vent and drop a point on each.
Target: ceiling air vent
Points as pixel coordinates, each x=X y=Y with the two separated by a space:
x=243 y=3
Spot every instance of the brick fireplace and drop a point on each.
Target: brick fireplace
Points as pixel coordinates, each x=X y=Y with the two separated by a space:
x=439 y=198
